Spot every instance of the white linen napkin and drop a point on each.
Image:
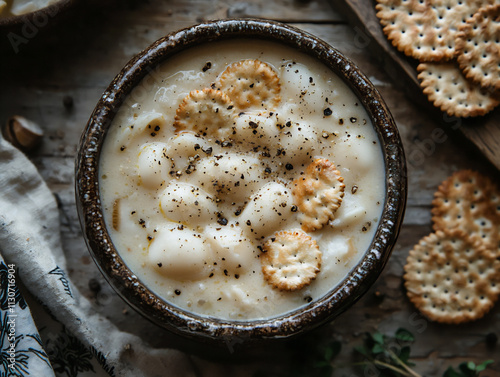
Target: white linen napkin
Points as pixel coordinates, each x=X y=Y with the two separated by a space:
x=30 y=245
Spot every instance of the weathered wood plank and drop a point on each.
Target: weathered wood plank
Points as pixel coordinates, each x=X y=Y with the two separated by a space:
x=198 y=10
x=483 y=132
x=83 y=61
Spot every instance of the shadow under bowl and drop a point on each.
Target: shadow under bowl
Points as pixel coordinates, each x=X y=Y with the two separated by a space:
x=220 y=331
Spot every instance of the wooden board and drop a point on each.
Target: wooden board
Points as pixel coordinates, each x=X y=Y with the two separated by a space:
x=483 y=132
x=83 y=57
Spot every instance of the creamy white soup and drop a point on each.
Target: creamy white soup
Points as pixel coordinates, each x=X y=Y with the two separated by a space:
x=193 y=185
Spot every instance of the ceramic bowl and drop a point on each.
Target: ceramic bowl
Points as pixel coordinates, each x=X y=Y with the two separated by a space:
x=214 y=330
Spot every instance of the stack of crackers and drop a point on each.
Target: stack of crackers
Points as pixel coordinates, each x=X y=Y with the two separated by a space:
x=453 y=274
x=458 y=45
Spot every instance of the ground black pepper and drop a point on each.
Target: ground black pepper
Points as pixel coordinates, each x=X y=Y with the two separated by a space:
x=222 y=221
x=207 y=66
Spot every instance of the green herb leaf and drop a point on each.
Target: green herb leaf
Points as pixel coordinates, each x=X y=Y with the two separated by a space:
x=468 y=369
x=404 y=354
x=321 y=364
x=362 y=350
x=378 y=337
x=483 y=365
x=404 y=335
x=378 y=348
x=450 y=372
x=332 y=350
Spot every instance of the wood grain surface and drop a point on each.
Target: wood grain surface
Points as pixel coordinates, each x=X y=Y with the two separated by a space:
x=83 y=54
x=483 y=132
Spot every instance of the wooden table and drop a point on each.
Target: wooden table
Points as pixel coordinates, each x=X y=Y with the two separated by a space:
x=80 y=57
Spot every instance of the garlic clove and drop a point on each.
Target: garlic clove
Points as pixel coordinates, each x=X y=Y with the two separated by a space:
x=22 y=133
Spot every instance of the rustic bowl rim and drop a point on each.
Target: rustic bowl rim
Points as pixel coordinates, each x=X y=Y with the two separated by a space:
x=220 y=331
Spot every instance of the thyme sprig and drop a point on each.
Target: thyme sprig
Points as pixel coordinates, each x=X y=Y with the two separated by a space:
x=387 y=356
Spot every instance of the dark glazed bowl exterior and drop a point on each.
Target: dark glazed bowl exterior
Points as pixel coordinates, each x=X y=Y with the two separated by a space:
x=210 y=329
